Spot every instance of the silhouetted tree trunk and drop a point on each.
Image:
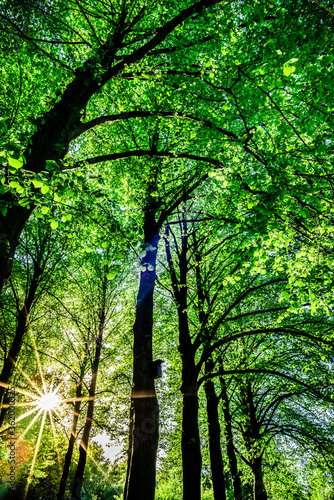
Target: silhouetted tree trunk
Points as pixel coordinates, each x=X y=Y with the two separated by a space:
x=232 y=459
x=11 y=227
x=79 y=474
x=252 y=442
x=216 y=459
x=190 y=443
x=258 y=484
x=15 y=348
x=145 y=410
x=73 y=437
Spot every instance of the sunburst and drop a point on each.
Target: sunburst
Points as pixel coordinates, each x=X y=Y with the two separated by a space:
x=42 y=399
x=40 y=402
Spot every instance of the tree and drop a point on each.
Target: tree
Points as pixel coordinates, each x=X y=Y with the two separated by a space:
x=39 y=266
x=265 y=406
x=193 y=93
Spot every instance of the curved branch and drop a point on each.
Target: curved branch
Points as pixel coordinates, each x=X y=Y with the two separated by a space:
x=221 y=373
x=84 y=127
x=139 y=153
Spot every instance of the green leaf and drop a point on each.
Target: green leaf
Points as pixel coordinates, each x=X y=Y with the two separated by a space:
x=16 y=163
x=57 y=198
x=37 y=183
x=54 y=224
x=104 y=244
x=111 y=275
x=287 y=70
x=45 y=189
x=45 y=210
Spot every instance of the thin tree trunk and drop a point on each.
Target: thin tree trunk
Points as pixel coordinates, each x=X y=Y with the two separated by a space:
x=252 y=440
x=79 y=474
x=11 y=227
x=129 y=452
x=232 y=459
x=190 y=442
x=72 y=440
x=145 y=428
x=15 y=348
x=4 y=409
x=216 y=459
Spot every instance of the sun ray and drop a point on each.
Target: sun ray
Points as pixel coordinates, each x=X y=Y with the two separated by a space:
x=25 y=415
x=24 y=392
x=35 y=455
x=89 y=454
x=25 y=403
x=55 y=440
x=17 y=389
x=83 y=398
x=64 y=380
x=34 y=386
x=52 y=382
x=62 y=423
x=20 y=438
x=37 y=356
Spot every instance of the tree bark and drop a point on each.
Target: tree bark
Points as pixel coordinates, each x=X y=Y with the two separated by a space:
x=190 y=442
x=259 y=490
x=11 y=227
x=72 y=440
x=232 y=459
x=79 y=474
x=15 y=348
x=216 y=459
x=145 y=410
x=252 y=442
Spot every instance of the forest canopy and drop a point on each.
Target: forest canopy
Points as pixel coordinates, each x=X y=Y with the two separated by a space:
x=166 y=249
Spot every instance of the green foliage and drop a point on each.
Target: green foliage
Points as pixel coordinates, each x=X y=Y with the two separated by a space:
x=111 y=121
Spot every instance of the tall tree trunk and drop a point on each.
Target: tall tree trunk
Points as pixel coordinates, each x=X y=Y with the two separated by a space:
x=232 y=459
x=216 y=459
x=15 y=348
x=129 y=452
x=79 y=474
x=145 y=427
x=190 y=442
x=252 y=442
x=11 y=227
x=259 y=490
x=72 y=440
x=4 y=409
